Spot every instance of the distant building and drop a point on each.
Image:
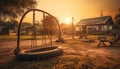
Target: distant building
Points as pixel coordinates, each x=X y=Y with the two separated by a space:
x=98 y=25
x=4 y=31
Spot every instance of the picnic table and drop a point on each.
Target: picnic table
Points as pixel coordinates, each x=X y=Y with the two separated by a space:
x=102 y=40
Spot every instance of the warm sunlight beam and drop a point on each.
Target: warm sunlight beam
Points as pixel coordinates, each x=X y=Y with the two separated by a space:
x=68 y=20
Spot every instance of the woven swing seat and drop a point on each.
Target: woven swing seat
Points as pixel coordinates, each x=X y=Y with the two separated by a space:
x=40 y=53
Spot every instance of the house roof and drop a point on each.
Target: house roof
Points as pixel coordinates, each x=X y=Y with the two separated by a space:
x=96 y=21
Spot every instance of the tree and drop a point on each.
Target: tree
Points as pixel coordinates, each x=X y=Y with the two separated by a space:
x=14 y=8
x=117 y=20
x=11 y=24
x=50 y=25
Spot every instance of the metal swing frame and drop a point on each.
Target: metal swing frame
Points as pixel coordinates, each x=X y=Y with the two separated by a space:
x=56 y=51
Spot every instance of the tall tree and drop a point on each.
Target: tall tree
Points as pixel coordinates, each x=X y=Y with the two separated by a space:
x=14 y=8
x=117 y=19
x=50 y=25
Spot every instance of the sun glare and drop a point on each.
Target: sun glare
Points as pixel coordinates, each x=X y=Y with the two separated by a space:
x=68 y=20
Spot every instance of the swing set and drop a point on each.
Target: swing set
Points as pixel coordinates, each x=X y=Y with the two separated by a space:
x=38 y=48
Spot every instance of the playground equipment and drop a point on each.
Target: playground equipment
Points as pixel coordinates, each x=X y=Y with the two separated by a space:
x=37 y=48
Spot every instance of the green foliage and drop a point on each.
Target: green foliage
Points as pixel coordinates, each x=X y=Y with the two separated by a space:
x=117 y=20
x=14 y=8
x=50 y=25
x=9 y=24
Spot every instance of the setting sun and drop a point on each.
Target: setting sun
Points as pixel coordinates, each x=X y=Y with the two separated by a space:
x=68 y=20
x=60 y=34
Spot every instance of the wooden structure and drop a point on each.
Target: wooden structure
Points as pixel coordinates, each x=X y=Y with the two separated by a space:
x=98 y=25
x=38 y=48
x=114 y=42
x=102 y=40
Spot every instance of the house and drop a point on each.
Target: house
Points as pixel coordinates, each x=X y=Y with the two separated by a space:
x=98 y=25
x=4 y=31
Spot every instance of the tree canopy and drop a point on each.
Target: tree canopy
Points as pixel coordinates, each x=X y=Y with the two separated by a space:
x=117 y=20
x=50 y=24
x=14 y=8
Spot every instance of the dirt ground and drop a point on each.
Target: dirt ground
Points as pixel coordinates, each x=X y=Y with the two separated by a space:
x=76 y=55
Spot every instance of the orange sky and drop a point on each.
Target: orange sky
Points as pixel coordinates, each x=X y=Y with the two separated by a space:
x=79 y=9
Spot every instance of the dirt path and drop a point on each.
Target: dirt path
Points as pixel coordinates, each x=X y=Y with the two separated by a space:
x=98 y=55
x=7 y=49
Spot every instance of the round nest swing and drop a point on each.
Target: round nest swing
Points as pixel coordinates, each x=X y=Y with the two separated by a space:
x=38 y=48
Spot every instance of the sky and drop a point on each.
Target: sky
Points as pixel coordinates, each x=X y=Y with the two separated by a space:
x=79 y=9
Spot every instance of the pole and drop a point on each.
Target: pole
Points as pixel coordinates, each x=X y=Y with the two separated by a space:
x=72 y=27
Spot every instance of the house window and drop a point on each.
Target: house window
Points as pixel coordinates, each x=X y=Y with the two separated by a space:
x=110 y=27
x=105 y=27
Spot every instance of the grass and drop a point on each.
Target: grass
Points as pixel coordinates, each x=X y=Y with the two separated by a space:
x=8 y=37
x=76 y=55
x=96 y=37
x=61 y=62
x=14 y=37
